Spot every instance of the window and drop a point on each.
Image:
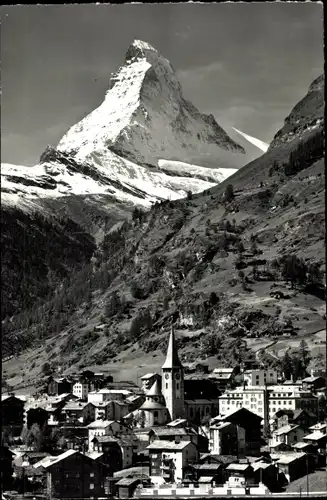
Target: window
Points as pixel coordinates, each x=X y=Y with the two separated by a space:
x=166 y=386
x=91 y=474
x=91 y=486
x=78 y=474
x=177 y=386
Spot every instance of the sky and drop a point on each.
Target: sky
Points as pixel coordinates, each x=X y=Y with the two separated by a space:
x=247 y=64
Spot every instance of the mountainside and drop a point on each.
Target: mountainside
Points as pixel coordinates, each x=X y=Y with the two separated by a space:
x=210 y=264
x=109 y=163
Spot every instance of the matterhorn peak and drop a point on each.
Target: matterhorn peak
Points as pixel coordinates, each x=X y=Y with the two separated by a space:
x=139 y=50
x=144 y=118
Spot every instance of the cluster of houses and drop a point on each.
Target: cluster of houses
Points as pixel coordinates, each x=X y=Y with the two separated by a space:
x=177 y=434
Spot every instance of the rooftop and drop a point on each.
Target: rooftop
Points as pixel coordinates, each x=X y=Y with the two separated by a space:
x=59 y=458
x=321 y=426
x=198 y=401
x=205 y=479
x=285 y=429
x=311 y=379
x=75 y=405
x=261 y=465
x=152 y=405
x=94 y=455
x=170 y=431
x=290 y=457
x=301 y=445
x=207 y=466
x=315 y=436
x=223 y=370
x=127 y=481
x=167 y=445
x=154 y=390
x=240 y=467
x=172 y=359
x=100 y=424
x=106 y=439
x=178 y=421
x=148 y=376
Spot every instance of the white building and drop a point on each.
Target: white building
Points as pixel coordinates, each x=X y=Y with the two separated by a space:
x=81 y=389
x=168 y=459
x=105 y=428
x=108 y=395
x=266 y=401
x=254 y=378
x=253 y=399
x=283 y=397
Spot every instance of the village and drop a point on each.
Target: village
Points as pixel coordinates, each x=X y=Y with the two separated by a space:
x=178 y=434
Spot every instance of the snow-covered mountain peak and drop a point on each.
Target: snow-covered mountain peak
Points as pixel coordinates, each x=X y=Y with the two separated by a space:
x=144 y=117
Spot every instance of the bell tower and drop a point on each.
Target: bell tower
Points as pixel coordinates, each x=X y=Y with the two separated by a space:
x=173 y=380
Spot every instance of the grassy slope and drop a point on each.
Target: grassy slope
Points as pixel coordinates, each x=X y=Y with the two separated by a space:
x=176 y=232
x=298 y=229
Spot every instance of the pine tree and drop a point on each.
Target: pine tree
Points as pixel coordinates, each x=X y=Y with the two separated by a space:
x=229 y=193
x=287 y=365
x=304 y=353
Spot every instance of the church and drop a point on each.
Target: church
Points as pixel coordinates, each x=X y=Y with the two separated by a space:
x=164 y=397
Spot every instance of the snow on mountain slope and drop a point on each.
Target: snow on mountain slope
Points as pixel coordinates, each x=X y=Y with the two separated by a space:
x=122 y=180
x=195 y=171
x=263 y=146
x=144 y=117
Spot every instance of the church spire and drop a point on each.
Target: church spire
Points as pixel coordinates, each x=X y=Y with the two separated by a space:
x=172 y=359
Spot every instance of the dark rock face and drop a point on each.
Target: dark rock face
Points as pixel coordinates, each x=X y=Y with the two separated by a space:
x=307 y=115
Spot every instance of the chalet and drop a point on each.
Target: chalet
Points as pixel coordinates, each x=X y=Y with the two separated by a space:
x=293 y=465
x=267 y=473
x=103 y=411
x=6 y=467
x=208 y=473
x=128 y=448
x=79 y=412
x=317 y=438
x=75 y=475
x=59 y=385
x=105 y=428
x=247 y=426
x=144 y=437
x=313 y=383
x=227 y=439
x=288 y=435
x=76 y=436
x=127 y=486
x=12 y=414
x=175 y=434
x=222 y=377
x=111 y=450
x=240 y=475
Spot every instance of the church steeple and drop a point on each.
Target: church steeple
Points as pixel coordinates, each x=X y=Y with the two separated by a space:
x=173 y=380
x=172 y=359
